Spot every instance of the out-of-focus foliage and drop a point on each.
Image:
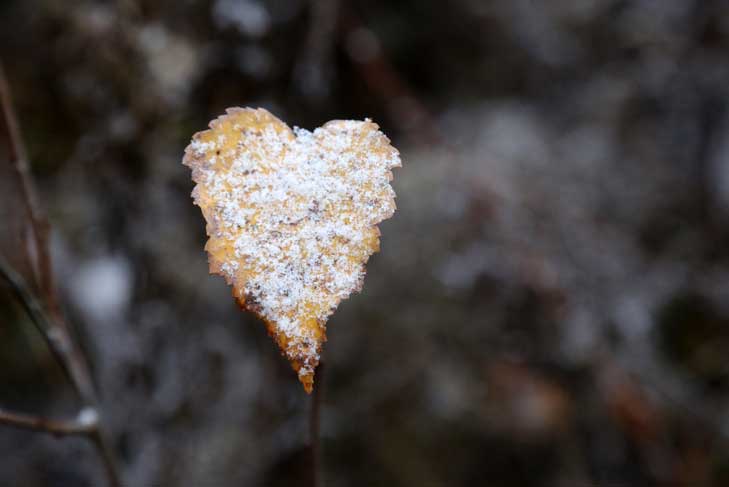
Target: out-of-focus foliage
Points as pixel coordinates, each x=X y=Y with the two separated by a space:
x=551 y=303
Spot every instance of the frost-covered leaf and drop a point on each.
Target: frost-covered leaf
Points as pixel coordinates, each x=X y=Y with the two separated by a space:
x=292 y=217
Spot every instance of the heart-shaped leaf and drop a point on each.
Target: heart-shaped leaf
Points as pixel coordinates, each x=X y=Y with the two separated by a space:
x=292 y=217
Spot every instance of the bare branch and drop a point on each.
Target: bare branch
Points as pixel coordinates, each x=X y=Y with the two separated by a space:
x=52 y=325
x=61 y=348
x=57 y=332
x=37 y=315
x=78 y=427
x=19 y=163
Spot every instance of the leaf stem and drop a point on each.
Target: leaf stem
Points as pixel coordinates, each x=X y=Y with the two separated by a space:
x=314 y=427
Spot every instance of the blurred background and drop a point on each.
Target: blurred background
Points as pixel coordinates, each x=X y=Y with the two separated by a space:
x=550 y=306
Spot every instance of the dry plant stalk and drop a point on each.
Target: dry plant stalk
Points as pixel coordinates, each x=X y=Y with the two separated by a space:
x=292 y=217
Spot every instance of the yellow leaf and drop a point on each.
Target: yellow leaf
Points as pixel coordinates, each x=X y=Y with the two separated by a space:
x=292 y=217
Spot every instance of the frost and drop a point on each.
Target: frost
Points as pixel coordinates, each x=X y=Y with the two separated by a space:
x=294 y=212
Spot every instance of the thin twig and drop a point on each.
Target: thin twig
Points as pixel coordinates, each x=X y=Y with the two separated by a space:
x=59 y=345
x=19 y=162
x=77 y=427
x=35 y=311
x=41 y=229
x=52 y=325
x=314 y=421
x=103 y=446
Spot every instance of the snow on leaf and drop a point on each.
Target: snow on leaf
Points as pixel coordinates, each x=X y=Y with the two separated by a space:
x=292 y=217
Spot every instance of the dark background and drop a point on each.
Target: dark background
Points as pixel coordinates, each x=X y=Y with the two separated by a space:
x=551 y=303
